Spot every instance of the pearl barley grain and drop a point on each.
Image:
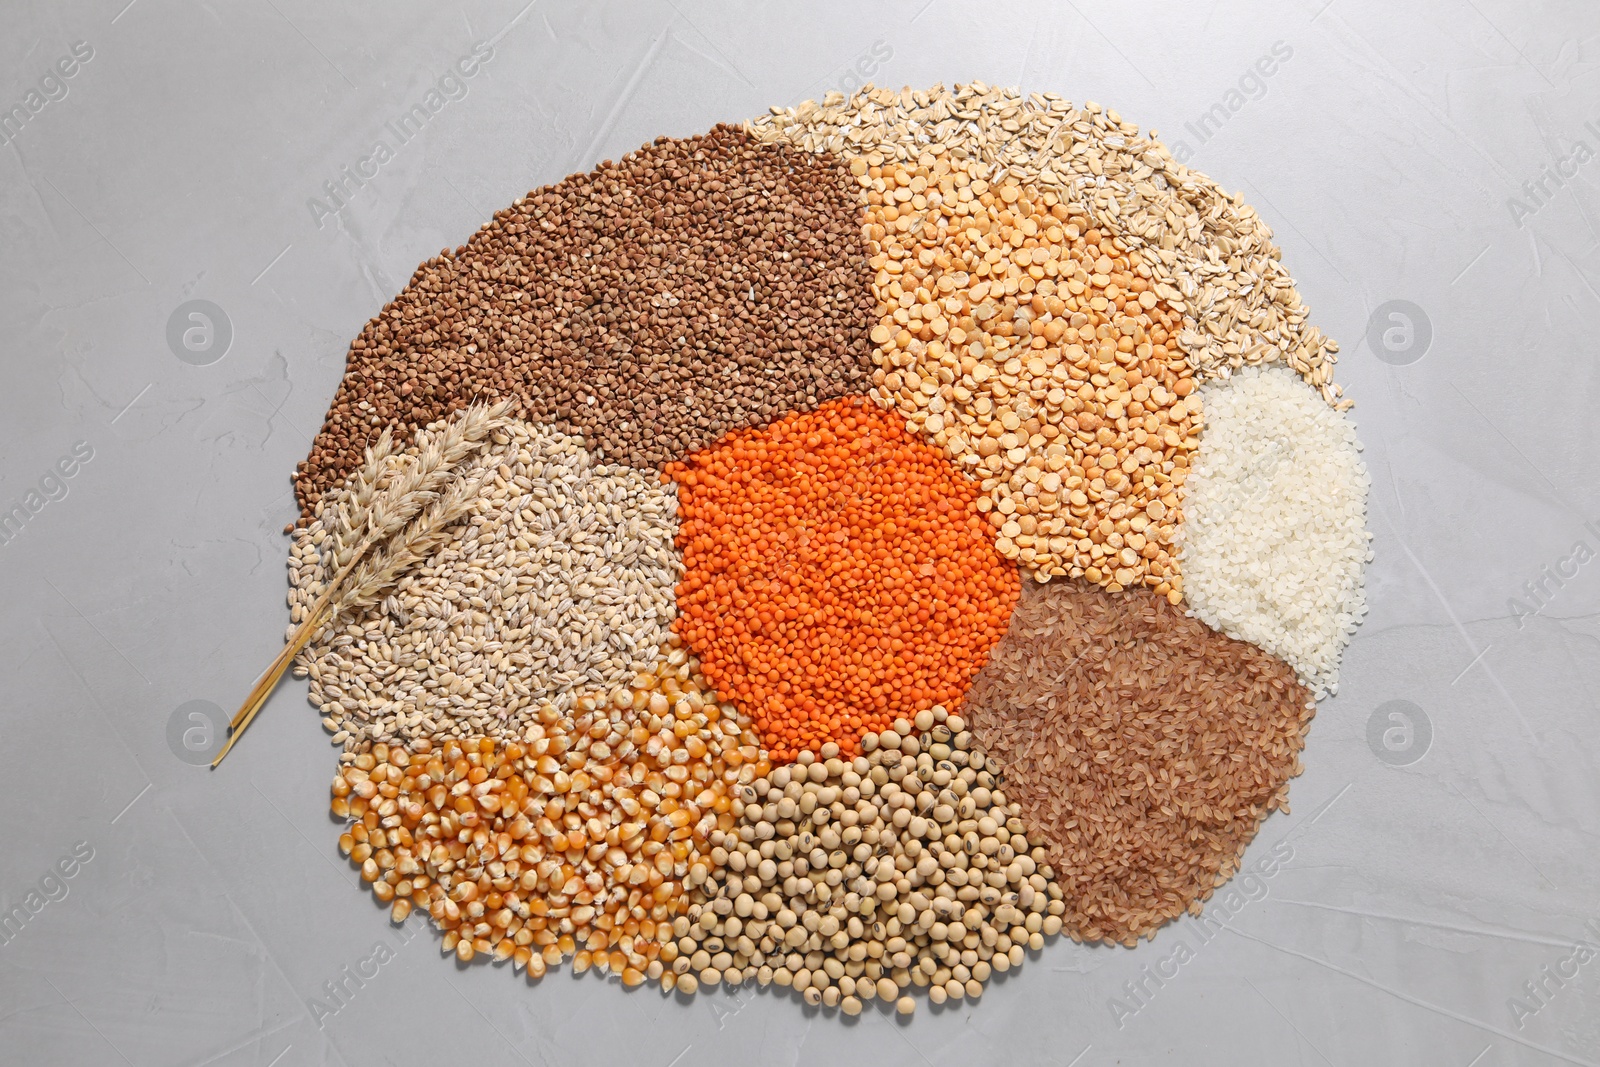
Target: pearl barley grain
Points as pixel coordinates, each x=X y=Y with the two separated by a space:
x=561 y=580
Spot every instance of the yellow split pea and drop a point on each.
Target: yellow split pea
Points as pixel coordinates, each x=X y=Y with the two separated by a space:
x=1035 y=351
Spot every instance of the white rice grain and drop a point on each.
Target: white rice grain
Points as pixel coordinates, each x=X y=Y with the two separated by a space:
x=1274 y=539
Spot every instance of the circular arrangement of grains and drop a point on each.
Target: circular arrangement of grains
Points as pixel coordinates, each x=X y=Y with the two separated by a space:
x=837 y=552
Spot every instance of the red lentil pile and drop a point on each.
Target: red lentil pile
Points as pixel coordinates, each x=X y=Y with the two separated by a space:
x=837 y=575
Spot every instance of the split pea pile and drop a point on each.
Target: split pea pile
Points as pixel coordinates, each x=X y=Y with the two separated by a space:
x=1034 y=349
x=696 y=286
x=849 y=880
x=559 y=581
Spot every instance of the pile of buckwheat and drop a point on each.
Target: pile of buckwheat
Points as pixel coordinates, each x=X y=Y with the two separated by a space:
x=696 y=286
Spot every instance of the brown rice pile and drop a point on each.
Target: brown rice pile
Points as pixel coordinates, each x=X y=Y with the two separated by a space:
x=1142 y=746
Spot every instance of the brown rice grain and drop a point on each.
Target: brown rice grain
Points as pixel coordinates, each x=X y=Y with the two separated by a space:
x=1143 y=747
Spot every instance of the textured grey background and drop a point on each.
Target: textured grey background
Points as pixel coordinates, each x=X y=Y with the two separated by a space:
x=1420 y=898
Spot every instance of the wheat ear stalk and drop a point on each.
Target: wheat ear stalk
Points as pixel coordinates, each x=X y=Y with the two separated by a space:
x=372 y=577
x=393 y=507
x=379 y=503
x=348 y=515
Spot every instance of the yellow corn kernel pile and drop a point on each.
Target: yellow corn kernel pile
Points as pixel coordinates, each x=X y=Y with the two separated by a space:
x=581 y=840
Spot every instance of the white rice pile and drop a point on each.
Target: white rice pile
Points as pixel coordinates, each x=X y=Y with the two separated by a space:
x=1274 y=537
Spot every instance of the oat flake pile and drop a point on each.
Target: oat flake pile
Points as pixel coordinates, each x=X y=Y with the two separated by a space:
x=841 y=551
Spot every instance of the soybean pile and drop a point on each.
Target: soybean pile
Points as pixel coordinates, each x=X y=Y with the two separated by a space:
x=903 y=867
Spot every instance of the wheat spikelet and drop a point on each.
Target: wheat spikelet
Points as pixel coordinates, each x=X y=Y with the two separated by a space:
x=415 y=485
x=382 y=503
x=346 y=517
x=421 y=539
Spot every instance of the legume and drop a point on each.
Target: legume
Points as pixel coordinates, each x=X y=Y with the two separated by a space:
x=854 y=879
x=1213 y=256
x=836 y=575
x=1034 y=350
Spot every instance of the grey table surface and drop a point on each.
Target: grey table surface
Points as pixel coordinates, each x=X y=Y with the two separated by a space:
x=1431 y=172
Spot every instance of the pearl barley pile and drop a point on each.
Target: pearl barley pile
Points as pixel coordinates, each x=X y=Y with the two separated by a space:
x=838 y=553
x=559 y=579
